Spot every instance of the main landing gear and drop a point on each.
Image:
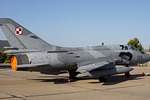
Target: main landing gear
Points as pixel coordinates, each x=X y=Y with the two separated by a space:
x=127 y=75
x=102 y=79
x=73 y=74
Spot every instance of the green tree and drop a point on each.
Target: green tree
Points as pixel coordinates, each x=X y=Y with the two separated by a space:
x=4 y=58
x=135 y=42
x=140 y=48
x=149 y=49
x=8 y=59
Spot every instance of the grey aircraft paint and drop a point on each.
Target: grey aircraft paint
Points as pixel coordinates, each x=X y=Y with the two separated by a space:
x=34 y=54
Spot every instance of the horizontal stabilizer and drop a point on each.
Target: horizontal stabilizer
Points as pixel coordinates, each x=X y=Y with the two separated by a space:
x=28 y=67
x=31 y=65
x=3 y=66
x=42 y=68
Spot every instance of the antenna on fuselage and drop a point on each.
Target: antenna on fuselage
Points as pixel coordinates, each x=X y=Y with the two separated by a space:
x=102 y=43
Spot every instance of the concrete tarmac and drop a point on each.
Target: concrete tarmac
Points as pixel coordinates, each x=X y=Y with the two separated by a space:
x=36 y=86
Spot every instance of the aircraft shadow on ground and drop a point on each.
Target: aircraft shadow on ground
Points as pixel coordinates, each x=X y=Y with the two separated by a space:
x=54 y=79
x=58 y=79
x=119 y=79
x=112 y=80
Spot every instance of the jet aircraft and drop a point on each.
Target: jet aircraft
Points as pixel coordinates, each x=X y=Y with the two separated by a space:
x=31 y=53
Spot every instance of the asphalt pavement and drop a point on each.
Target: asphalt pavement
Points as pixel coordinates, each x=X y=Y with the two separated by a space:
x=35 y=86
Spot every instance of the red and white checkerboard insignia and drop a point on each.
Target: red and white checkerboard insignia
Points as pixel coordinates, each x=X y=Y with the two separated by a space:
x=19 y=30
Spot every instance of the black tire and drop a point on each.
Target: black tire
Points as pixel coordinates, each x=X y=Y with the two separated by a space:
x=127 y=75
x=102 y=79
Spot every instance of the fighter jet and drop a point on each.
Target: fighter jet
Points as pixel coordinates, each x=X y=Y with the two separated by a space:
x=31 y=53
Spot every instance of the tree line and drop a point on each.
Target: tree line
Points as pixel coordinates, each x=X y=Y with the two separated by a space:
x=4 y=58
x=136 y=43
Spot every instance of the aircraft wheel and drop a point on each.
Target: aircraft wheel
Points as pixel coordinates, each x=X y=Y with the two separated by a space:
x=102 y=79
x=73 y=74
x=127 y=75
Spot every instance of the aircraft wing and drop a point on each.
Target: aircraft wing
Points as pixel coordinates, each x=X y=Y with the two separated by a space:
x=95 y=66
x=101 y=68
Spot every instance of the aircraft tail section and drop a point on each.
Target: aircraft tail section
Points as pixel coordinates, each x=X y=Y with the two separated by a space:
x=20 y=37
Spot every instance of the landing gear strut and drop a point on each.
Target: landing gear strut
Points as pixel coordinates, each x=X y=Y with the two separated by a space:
x=73 y=74
x=102 y=79
x=128 y=73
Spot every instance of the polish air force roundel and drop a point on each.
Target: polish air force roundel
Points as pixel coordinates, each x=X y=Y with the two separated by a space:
x=19 y=30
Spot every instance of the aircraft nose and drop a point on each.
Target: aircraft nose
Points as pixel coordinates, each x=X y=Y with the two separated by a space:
x=146 y=58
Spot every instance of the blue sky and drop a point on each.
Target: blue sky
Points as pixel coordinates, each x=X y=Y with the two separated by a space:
x=82 y=22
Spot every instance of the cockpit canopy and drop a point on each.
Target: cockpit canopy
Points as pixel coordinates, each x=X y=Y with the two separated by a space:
x=128 y=47
x=133 y=48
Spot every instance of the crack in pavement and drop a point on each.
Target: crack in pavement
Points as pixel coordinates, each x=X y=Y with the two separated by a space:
x=12 y=96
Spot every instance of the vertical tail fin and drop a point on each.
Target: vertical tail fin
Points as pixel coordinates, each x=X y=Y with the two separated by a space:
x=20 y=37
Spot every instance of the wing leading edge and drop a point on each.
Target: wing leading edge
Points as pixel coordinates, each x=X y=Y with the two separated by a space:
x=101 y=69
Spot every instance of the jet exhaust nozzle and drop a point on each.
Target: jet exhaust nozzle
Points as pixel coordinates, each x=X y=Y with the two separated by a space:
x=18 y=60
